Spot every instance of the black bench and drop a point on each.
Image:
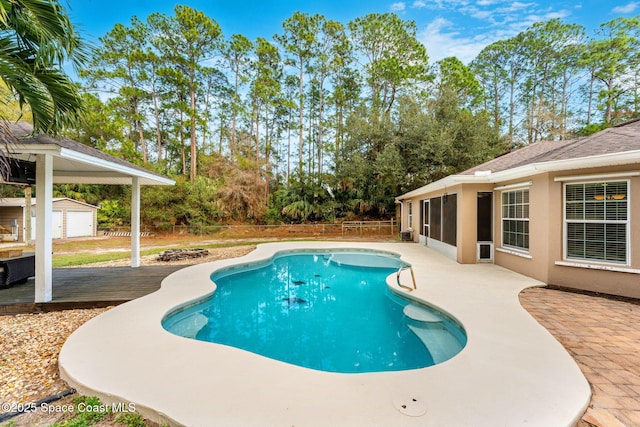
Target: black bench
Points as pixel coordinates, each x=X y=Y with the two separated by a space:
x=17 y=269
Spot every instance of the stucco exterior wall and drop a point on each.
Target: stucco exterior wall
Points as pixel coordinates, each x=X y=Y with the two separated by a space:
x=466 y=224
x=532 y=263
x=546 y=232
x=601 y=277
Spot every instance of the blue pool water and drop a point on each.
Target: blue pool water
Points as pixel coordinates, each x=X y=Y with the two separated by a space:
x=320 y=310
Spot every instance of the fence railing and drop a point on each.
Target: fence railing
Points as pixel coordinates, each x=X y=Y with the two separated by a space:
x=281 y=230
x=360 y=227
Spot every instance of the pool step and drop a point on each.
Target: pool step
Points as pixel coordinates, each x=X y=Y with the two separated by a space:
x=420 y=314
x=430 y=328
x=189 y=326
x=439 y=342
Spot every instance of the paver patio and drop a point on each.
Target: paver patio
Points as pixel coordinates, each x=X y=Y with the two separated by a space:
x=603 y=336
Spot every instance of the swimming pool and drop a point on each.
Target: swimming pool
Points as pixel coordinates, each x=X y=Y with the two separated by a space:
x=500 y=378
x=330 y=311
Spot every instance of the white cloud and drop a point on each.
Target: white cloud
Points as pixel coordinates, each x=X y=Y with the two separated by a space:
x=465 y=27
x=628 y=8
x=398 y=7
x=418 y=4
x=442 y=41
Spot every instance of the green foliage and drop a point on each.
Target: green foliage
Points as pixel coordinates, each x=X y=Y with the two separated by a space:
x=85 y=417
x=395 y=57
x=294 y=129
x=591 y=129
x=36 y=38
x=185 y=203
x=112 y=214
x=131 y=420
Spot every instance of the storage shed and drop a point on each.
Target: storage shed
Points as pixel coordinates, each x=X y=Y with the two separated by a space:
x=70 y=218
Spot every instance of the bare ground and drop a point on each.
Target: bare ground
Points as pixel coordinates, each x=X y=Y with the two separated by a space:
x=31 y=343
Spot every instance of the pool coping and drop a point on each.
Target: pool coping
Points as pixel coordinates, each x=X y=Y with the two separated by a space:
x=511 y=372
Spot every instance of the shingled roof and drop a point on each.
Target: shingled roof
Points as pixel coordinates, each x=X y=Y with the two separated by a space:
x=77 y=162
x=618 y=145
x=622 y=138
x=24 y=134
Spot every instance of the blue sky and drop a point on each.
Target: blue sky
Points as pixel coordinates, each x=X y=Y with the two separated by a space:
x=447 y=27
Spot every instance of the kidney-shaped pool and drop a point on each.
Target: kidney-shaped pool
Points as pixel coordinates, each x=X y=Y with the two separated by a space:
x=330 y=311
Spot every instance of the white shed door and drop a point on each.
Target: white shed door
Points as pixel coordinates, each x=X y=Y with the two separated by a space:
x=56 y=225
x=79 y=224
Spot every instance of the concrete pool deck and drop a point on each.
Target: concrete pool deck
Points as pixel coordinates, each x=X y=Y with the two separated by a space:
x=512 y=371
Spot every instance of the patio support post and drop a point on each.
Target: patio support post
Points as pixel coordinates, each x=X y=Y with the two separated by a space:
x=135 y=222
x=44 y=221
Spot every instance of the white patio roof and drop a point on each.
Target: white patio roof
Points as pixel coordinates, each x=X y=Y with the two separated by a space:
x=60 y=161
x=76 y=163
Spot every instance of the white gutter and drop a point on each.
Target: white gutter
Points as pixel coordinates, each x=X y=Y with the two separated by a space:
x=114 y=170
x=96 y=161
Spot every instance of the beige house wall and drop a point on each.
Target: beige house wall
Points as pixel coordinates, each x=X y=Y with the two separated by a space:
x=532 y=263
x=607 y=280
x=546 y=233
x=466 y=229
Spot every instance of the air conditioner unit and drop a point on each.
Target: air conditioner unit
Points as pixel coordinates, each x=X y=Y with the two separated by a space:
x=485 y=252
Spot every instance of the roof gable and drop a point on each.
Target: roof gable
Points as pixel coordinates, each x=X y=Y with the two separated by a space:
x=619 y=139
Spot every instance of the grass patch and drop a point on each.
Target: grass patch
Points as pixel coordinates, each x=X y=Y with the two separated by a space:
x=83 y=258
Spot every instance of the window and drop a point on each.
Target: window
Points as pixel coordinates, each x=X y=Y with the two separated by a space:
x=515 y=219
x=449 y=218
x=435 y=228
x=410 y=215
x=597 y=221
x=443 y=218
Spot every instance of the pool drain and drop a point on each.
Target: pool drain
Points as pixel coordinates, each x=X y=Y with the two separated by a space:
x=411 y=406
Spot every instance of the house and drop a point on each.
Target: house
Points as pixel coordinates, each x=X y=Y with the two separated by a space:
x=563 y=212
x=70 y=218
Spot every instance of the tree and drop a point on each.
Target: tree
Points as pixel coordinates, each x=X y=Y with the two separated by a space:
x=610 y=61
x=459 y=78
x=333 y=54
x=298 y=41
x=236 y=52
x=120 y=64
x=36 y=38
x=549 y=53
x=186 y=40
x=395 y=57
x=266 y=93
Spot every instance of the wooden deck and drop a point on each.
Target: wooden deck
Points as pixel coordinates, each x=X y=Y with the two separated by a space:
x=86 y=288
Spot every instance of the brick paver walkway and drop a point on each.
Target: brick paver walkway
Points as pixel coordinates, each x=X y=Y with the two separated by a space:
x=603 y=336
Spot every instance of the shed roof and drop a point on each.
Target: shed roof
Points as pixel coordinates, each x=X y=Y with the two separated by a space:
x=21 y=202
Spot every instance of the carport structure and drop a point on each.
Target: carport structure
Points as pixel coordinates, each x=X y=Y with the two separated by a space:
x=64 y=161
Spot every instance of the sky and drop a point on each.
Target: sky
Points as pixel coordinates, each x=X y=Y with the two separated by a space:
x=458 y=28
